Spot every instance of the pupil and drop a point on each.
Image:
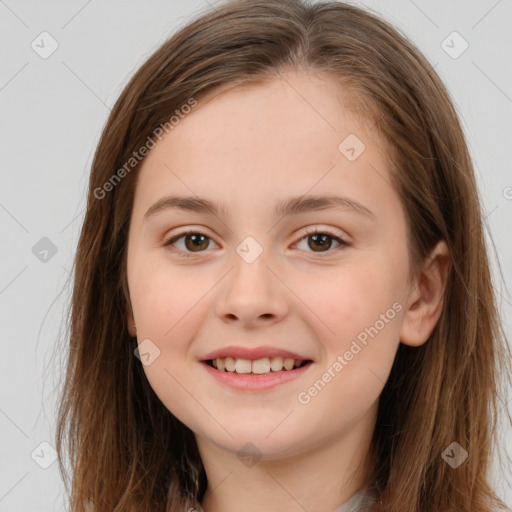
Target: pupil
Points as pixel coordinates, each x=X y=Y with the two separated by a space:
x=322 y=243
x=195 y=238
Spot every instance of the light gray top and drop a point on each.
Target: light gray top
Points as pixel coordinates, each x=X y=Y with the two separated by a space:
x=358 y=502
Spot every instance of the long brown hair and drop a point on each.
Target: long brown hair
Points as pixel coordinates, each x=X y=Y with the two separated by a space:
x=127 y=451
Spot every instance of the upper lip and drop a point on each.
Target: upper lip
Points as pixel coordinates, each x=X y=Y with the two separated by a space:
x=253 y=353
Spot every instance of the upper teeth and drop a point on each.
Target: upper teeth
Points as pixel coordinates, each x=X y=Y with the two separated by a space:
x=258 y=366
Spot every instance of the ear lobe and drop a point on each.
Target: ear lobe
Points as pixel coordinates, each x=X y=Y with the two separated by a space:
x=426 y=302
x=132 y=329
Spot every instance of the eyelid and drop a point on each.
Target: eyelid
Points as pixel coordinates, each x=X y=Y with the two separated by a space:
x=169 y=241
x=340 y=239
x=317 y=229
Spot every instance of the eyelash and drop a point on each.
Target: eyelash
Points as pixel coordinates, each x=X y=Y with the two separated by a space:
x=187 y=254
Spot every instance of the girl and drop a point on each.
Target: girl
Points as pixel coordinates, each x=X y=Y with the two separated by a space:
x=282 y=296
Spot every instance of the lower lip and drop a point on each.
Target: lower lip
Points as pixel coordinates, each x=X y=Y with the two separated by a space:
x=246 y=382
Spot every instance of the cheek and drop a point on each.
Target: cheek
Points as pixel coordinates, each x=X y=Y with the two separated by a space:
x=351 y=297
x=167 y=306
x=363 y=313
x=358 y=313
x=164 y=297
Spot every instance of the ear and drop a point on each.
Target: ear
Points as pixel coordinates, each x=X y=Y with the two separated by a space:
x=128 y=308
x=426 y=299
x=132 y=329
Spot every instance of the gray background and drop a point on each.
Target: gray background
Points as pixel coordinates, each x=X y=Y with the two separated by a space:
x=52 y=112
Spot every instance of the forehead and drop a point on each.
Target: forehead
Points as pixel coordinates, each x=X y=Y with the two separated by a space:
x=287 y=135
x=306 y=105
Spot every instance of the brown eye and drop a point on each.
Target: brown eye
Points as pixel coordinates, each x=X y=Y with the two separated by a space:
x=193 y=241
x=320 y=242
x=196 y=242
x=323 y=241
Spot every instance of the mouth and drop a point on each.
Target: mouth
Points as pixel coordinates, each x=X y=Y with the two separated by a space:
x=262 y=366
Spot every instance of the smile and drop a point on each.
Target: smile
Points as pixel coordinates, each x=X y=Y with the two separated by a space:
x=248 y=380
x=260 y=366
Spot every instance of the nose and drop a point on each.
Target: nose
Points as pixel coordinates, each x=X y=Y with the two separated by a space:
x=252 y=293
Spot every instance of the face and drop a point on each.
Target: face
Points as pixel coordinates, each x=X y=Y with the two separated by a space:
x=253 y=276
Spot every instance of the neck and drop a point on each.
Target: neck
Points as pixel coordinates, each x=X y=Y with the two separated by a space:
x=318 y=480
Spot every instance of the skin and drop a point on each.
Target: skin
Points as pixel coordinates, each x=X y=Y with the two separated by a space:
x=249 y=147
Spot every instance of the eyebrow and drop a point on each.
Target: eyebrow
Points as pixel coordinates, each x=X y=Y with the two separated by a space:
x=292 y=206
